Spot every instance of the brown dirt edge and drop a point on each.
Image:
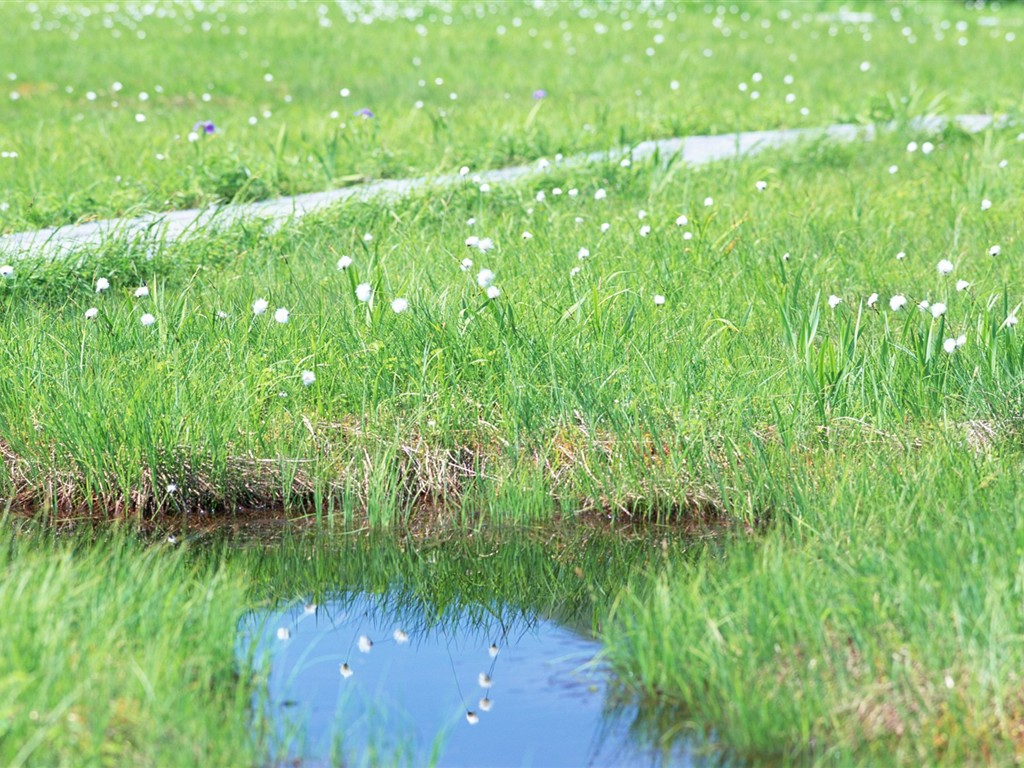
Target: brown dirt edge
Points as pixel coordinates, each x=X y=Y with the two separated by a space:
x=250 y=494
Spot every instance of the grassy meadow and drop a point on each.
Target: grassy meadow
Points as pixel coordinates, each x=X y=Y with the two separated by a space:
x=106 y=107
x=813 y=352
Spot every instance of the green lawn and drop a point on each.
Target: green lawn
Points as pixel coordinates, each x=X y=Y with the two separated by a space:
x=447 y=88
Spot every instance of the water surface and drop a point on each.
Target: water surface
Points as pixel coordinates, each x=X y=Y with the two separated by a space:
x=475 y=685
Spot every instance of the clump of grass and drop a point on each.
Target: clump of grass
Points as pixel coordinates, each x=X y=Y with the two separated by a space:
x=121 y=655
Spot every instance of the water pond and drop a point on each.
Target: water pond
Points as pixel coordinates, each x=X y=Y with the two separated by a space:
x=382 y=678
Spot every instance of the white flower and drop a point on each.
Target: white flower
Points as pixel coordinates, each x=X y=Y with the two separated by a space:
x=949 y=345
x=659 y=299
x=281 y=315
x=344 y=262
x=147 y=319
x=172 y=487
x=260 y=306
x=962 y=285
x=493 y=292
x=583 y=253
x=365 y=644
x=708 y=202
x=364 y=292
x=995 y=250
x=346 y=670
x=872 y=299
x=484 y=278
x=986 y=204
x=102 y=284
x=682 y=221
x=600 y=194
x=91 y=313
x=308 y=377
x=400 y=637
x=466 y=265
x=897 y=302
x=834 y=301
x=193 y=136
x=141 y=292
x=527 y=236
x=761 y=186
x=938 y=309
x=945 y=267
x=399 y=305
x=283 y=633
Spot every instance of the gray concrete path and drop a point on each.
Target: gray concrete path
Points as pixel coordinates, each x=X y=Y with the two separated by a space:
x=694 y=150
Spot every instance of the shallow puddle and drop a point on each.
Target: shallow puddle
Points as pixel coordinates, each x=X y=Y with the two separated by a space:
x=377 y=680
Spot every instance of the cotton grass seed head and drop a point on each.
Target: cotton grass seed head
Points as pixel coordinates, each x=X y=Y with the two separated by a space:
x=147 y=319
x=897 y=302
x=281 y=315
x=938 y=309
x=260 y=306
x=102 y=284
x=962 y=285
x=466 y=265
x=493 y=292
x=345 y=670
x=344 y=262
x=484 y=278
x=308 y=378
x=365 y=644
x=834 y=301
x=944 y=267
x=142 y=292
x=91 y=313
x=399 y=305
x=364 y=292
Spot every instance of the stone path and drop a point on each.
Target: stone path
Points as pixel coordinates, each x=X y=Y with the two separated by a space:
x=694 y=150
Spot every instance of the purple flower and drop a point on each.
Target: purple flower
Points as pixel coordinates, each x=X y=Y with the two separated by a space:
x=365 y=113
x=204 y=126
x=539 y=94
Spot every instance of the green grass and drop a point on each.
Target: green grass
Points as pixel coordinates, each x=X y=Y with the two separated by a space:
x=872 y=614
x=608 y=72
